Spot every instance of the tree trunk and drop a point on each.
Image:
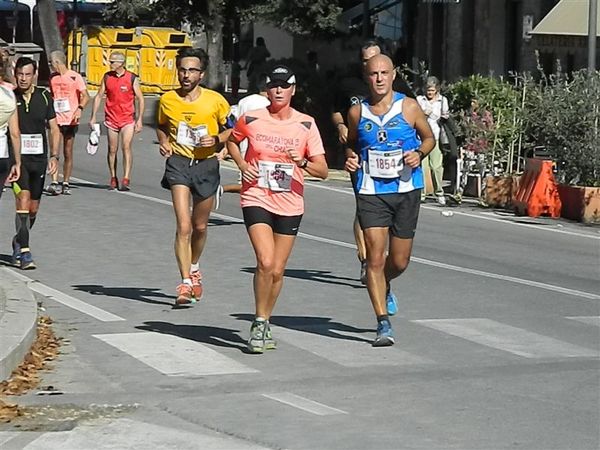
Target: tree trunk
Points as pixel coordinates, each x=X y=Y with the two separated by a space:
x=46 y=10
x=214 y=40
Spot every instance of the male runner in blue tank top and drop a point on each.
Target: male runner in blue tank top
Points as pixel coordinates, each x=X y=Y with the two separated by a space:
x=388 y=136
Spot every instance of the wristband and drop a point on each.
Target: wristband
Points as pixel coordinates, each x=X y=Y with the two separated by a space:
x=421 y=154
x=80 y=107
x=217 y=140
x=55 y=156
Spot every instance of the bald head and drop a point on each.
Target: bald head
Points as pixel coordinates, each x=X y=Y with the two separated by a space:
x=379 y=60
x=380 y=75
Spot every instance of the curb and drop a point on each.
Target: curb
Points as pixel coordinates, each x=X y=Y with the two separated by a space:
x=18 y=323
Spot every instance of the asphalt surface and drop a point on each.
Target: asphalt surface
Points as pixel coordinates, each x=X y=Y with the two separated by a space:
x=497 y=338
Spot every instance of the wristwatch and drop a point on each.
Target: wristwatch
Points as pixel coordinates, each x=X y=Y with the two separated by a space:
x=421 y=154
x=303 y=164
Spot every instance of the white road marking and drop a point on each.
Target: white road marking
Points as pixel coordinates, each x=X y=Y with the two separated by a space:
x=173 y=355
x=589 y=320
x=131 y=434
x=345 y=352
x=68 y=300
x=6 y=436
x=304 y=404
x=531 y=283
x=508 y=338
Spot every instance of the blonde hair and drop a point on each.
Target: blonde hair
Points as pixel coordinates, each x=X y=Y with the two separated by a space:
x=58 y=56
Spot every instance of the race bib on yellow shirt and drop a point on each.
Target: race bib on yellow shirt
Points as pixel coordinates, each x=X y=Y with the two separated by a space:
x=275 y=176
x=32 y=144
x=190 y=136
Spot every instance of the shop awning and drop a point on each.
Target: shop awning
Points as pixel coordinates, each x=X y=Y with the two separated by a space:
x=567 y=18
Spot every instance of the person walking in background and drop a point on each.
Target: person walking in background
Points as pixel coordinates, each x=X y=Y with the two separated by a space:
x=10 y=155
x=122 y=88
x=255 y=63
x=70 y=98
x=435 y=107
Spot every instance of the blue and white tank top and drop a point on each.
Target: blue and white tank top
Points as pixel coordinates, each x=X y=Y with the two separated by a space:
x=381 y=141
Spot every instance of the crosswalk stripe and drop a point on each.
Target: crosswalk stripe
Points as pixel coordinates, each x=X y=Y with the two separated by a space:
x=590 y=320
x=354 y=352
x=173 y=355
x=507 y=338
x=304 y=404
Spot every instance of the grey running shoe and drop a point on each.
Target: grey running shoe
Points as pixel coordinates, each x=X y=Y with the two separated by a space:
x=270 y=343
x=52 y=189
x=258 y=332
x=66 y=189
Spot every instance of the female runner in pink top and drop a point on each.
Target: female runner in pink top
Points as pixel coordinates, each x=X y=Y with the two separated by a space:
x=282 y=142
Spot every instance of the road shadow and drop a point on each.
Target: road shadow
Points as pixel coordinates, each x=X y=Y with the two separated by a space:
x=322 y=326
x=215 y=222
x=320 y=276
x=220 y=337
x=145 y=295
x=6 y=260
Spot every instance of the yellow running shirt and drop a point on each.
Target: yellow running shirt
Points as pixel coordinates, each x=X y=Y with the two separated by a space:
x=187 y=122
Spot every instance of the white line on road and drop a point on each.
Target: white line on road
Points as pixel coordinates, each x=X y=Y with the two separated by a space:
x=67 y=300
x=589 y=320
x=531 y=283
x=304 y=404
x=508 y=338
x=173 y=355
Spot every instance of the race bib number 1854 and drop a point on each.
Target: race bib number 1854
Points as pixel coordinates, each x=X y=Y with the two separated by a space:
x=385 y=164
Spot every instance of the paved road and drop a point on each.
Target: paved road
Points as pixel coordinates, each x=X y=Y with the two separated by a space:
x=497 y=340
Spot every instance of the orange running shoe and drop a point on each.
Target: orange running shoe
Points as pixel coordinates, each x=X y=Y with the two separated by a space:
x=196 y=278
x=184 y=294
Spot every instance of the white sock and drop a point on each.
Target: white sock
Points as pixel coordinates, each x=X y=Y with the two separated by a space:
x=260 y=319
x=195 y=267
x=187 y=281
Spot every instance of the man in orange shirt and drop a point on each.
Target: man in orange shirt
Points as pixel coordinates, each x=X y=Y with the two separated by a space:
x=70 y=97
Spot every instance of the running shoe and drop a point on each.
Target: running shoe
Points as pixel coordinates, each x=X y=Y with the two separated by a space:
x=113 y=184
x=258 y=334
x=124 y=184
x=196 y=278
x=184 y=294
x=441 y=200
x=385 y=334
x=16 y=255
x=391 y=302
x=66 y=189
x=52 y=189
x=218 y=196
x=27 y=262
x=363 y=272
x=270 y=343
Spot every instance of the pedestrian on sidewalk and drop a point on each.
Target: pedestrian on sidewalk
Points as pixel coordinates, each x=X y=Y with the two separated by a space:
x=122 y=88
x=70 y=98
x=10 y=155
x=191 y=128
x=435 y=107
x=388 y=137
x=282 y=144
x=36 y=114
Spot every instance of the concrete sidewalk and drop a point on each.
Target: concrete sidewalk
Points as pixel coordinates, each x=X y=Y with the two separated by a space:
x=18 y=321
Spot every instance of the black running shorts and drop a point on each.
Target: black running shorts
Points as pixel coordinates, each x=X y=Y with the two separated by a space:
x=68 y=130
x=279 y=224
x=398 y=212
x=33 y=174
x=200 y=175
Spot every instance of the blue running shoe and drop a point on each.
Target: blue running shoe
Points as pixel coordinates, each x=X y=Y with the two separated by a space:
x=27 y=261
x=385 y=334
x=391 y=301
x=16 y=255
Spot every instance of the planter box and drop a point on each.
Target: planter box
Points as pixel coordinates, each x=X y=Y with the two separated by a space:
x=580 y=203
x=500 y=190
